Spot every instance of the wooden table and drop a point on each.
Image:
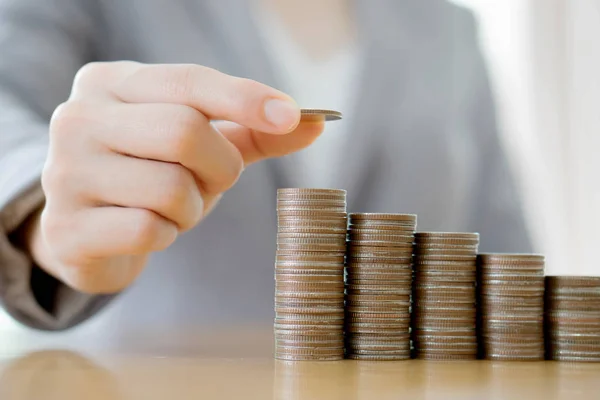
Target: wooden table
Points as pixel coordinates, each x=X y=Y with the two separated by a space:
x=238 y=364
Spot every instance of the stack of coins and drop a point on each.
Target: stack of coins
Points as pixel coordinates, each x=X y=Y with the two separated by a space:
x=511 y=306
x=378 y=286
x=443 y=308
x=572 y=318
x=309 y=274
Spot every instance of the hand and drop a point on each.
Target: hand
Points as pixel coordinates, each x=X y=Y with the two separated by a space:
x=134 y=160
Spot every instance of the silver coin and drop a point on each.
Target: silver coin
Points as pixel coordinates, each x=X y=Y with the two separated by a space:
x=313 y=114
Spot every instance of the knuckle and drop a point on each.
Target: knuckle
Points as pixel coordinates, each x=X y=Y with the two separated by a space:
x=237 y=166
x=183 y=130
x=67 y=118
x=51 y=224
x=176 y=187
x=91 y=73
x=57 y=230
x=196 y=211
x=181 y=198
x=233 y=172
x=146 y=230
x=55 y=176
x=180 y=85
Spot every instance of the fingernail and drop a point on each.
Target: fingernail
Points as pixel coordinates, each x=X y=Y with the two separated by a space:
x=283 y=114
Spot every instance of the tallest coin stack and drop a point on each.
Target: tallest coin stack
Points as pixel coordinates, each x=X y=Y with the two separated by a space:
x=309 y=274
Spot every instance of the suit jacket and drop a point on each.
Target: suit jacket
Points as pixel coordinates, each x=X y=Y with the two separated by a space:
x=423 y=140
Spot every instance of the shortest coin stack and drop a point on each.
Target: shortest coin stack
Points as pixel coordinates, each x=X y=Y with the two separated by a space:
x=443 y=310
x=573 y=318
x=309 y=274
x=511 y=306
x=378 y=286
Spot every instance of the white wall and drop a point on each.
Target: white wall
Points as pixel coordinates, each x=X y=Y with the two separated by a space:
x=583 y=146
x=544 y=57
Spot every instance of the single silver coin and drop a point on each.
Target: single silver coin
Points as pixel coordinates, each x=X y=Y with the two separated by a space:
x=319 y=114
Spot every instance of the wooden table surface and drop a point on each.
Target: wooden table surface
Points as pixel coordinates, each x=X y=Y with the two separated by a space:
x=238 y=364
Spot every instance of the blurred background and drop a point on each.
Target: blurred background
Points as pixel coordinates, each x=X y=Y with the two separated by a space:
x=544 y=60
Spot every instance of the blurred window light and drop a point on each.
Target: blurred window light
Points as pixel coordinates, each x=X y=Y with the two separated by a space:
x=544 y=58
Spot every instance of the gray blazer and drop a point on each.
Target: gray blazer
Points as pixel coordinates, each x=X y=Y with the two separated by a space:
x=423 y=140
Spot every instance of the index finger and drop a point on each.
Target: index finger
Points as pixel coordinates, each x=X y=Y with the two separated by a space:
x=217 y=95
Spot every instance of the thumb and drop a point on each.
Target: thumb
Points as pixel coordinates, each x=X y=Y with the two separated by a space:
x=255 y=146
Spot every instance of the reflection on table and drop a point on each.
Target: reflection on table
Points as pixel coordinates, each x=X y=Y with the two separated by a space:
x=238 y=363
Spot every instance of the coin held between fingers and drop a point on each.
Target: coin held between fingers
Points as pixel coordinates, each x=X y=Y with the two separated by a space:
x=319 y=115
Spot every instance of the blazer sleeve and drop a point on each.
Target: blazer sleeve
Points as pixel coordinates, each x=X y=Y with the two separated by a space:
x=42 y=45
x=498 y=212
